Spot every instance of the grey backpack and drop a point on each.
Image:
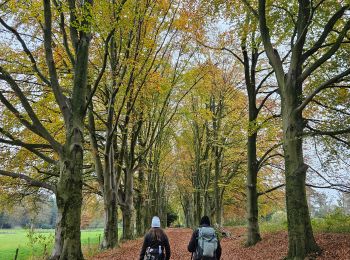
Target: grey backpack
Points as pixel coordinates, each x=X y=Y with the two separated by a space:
x=207 y=243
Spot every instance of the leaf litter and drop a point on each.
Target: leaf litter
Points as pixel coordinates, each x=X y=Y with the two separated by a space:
x=273 y=246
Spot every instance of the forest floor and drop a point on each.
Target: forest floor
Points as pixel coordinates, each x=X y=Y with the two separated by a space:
x=272 y=247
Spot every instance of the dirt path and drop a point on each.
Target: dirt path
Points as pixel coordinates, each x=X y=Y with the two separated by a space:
x=272 y=247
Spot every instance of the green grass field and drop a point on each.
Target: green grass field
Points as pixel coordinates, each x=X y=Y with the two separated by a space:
x=10 y=239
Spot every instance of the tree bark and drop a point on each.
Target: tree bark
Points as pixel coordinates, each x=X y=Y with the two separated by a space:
x=140 y=205
x=129 y=210
x=252 y=196
x=217 y=189
x=128 y=223
x=252 y=174
x=253 y=236
x=300 y=234
x=69 y=201
x=58 y=235
x=110 y=233
x=197 y=206
x=140 y=215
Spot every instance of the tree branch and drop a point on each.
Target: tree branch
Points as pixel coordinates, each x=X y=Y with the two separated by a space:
x=271 y=53
x=267 y=153
x=262 y=164
x=73 y=30
x=249 y=6
x=61 y=100
x=28 y=180
x=30 y=147
x=331 y=108
x=340 y=187
x=328 y=84
x=36 y=127
x=332 y=186
x=63 y=31
x=331 y=133
x=327 y=29
x=100 y=75
x=26 y=50
x=270 y=190
x=221 y=49
x=327 y=55
x=263 y=81
x=266 y=98
x=27 y=124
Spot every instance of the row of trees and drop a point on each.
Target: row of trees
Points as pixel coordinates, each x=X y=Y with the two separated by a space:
x=296 y=50
x=89 y=93
x=147 y=102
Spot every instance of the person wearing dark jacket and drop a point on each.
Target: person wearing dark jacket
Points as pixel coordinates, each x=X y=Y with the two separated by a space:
x=193 y=244
x=154 y=240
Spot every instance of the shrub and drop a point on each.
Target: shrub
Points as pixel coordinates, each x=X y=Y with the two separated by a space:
x=39 y=241
x=335 y=221
x=279 y=217
x=277 y=222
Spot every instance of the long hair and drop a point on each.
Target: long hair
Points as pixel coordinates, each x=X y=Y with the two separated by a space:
x=205 y=221
x=157 y=234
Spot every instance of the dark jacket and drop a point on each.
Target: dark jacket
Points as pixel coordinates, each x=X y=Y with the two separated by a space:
x=192 y=246
x=149 y=241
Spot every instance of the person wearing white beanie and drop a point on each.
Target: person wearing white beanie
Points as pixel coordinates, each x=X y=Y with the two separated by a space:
x=156 y=243
x=155 y=222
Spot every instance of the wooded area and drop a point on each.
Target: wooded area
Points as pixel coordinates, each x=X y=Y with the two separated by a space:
x=135 y=108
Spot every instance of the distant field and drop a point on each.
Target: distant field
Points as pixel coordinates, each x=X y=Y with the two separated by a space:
x=10 y=239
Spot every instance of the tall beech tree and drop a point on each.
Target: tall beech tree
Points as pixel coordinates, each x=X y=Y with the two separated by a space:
x=260 y=89
x=104 y=161
x=46 y=68
x=308 y=55
x=258 y=94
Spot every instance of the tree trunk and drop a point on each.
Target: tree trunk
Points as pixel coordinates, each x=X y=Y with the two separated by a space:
x=206 y=203
x=187 y=207
x=128 y=223
x=197 y=206
x=140 y=206
x=147 y=216
x=253 y=235
x=128 y=211
x=58 y=235
x=110 y=234
x=140 y=215
x=69 y=201
x=300 y=234
x=217 y=188
x=252 y=196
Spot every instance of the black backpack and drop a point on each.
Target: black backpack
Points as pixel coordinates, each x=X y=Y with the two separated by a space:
x=155 y=251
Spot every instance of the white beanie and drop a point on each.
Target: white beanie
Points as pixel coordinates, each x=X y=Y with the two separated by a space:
x=155 y=222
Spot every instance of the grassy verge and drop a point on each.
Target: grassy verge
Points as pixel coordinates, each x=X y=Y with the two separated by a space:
x=11 y=239
x=271 y=227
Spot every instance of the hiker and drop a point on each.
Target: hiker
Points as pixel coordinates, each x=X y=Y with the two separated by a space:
x=156 y=243
x=204 y=243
